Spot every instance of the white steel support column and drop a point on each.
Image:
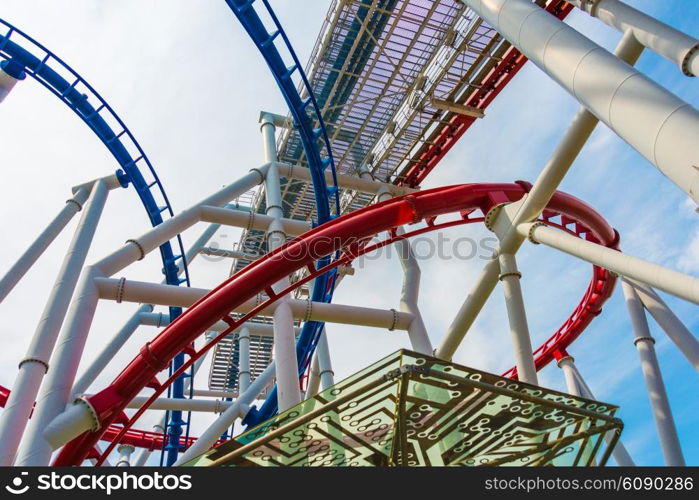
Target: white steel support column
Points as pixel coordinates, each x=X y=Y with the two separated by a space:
x=56 y=390
x=239 y=408
x=656 y=123
x=662 y=39
x=36 y=361
x=568 y=368
x=125 y=451
x=36 y=450
x=243 y=359
x=124 y=334
x=577 y=387
x=668 y=280
x=519 y=330
x=325 y=369
x=109 y=351
x=313 y=378
x=7 y=81
x=543 y=189
x=42 y=242
x=419 y=339
x=678 y=333
x=660 y=405
x=286 y=362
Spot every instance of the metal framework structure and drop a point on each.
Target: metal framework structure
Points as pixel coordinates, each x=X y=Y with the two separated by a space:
x=390 y=87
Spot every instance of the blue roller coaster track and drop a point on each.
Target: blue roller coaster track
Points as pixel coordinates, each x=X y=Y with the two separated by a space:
x=22 y=55
x=304 y=112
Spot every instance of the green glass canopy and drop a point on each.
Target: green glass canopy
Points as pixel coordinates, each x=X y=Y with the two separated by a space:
x=414 y=410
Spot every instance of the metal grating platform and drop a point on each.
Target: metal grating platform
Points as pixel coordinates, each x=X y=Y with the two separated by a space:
x=414 y=410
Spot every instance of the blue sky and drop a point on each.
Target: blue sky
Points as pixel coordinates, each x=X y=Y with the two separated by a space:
x=189 y=84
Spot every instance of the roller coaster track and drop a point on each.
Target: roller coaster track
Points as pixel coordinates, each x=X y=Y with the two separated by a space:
x=318 y=160
x=27 y=56
x=50 y=71
x=350 y=235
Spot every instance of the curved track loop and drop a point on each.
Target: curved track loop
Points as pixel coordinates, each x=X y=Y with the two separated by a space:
x=245 y=11
x=351 y=235
x=50 y=71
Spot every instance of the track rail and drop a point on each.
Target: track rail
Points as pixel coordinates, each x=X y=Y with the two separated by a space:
x=74 y=91
x=350 y=234
x=318 y=160
x=443 y=139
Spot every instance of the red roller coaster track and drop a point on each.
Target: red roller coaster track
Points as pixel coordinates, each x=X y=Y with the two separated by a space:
x=351 y=235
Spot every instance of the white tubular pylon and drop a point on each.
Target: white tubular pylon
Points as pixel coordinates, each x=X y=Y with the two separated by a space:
x=35 y=365
x=288 y=393
x=519 y=329
x=660 y=405
x=662 y=39
x=664 y=132
x=577 y=387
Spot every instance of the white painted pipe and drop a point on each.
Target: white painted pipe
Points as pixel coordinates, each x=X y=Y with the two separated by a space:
x=534 y=202
x=577 y=387
x=42 y=242
x=252 y=220
x=170 y=295
x=75 y=420
x=109 y=351
x=659 y=402
x=36 y=361
x=656 y=123
x=198 y=405
x=325 y=369
x=239 y=408
x=142 y=316
x=244 y=359
x=674 y=282
x=419 y=339
x=56 y=389
x=566 y=366
x=7 y=83
x=313 y=378
x=258 y=329
x=284 y=350
x=676 y=331
x=228 y=254
x=145 y=453
x=137 y=248
x=125 y=451
x=206 y=393
x=517 y=316
x=558 y=165
x=662 y=39
x=285 y=359
x=361 y=184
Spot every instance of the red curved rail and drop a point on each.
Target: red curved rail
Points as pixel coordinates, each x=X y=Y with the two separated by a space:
x=345 y=233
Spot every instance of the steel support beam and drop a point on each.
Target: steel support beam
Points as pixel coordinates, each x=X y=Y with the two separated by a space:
x=656 y=123
x=668 y=280
x=662 y=39
x=659 y=402
x=35 y=364
x=516 y=313
x=577 y=387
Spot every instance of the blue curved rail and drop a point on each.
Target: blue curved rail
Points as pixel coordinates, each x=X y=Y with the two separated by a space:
x=18 y=50
x=265 y=41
